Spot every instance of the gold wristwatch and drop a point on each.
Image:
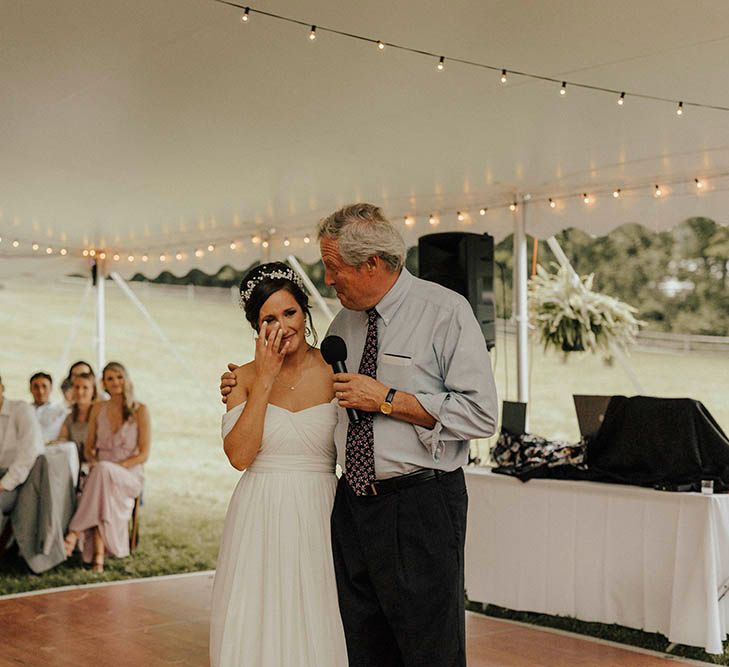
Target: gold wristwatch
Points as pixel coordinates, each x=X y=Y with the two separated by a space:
x=386 y=407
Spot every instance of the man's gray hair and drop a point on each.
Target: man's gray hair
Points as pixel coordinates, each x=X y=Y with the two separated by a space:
x=362 y=231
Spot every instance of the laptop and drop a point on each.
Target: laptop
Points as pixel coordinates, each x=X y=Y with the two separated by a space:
x=513 y=417
x=590 y=412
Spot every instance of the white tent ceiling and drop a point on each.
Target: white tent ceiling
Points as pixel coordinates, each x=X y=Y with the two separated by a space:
x=160 y=126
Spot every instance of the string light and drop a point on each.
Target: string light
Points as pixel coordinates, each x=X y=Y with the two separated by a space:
x=35 y=246
x=679 y=109
x=441 y=64
x=64 y=252
x=85 y=253
x=482 y=211
x=116 y=257
x=380 y=45
x=307 y=239
x=409 y=221
x=460 y=216
x=145 y=258
x=199 y=252
x=470 y=63
x=512 y=206
x=585 y=198
x=563 y=89
x=92 y=252
x=211 y=248
x=265 y=244
x=616 y=193
x=552 y=203
x=658 y=192
x=49 y=251
x=130 y=258
x=102 y=255
x=287 y=243
x=16 y=243
x=312 y=34
x=433 y=220
x=178 y=256
x=255 y=239
x=621 y=99
x=162 y=258
x=699 y=183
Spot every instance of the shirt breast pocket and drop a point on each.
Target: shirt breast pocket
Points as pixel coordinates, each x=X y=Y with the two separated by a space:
x=395 y=370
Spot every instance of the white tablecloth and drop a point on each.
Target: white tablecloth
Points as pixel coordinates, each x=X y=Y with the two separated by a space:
x=609 y=553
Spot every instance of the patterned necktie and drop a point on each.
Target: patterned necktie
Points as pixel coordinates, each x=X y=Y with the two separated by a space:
x=360 y=450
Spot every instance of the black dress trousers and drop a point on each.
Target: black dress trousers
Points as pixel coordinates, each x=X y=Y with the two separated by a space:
x=398 y=559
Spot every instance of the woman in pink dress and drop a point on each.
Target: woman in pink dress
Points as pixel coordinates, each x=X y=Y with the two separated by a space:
x=117 y=445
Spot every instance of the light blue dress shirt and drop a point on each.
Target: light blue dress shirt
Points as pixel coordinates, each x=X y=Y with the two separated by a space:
x=429 y=345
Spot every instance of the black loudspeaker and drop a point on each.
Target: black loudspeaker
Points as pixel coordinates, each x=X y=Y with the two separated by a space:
x=463 y=262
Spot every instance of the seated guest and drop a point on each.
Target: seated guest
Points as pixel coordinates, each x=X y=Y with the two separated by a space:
x=50 y=415
x=117 y=444
x=67 y=391
x=75 y=427
x=20 y=443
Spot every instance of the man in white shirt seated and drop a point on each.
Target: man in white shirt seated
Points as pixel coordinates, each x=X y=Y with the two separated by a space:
x=50 y=415
x=21 y=442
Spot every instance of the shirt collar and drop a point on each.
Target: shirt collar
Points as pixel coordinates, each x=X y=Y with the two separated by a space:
x=388 y=305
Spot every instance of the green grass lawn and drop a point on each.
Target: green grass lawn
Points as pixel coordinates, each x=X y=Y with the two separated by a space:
x=188 y=479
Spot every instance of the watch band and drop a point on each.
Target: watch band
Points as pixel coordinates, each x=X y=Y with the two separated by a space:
x=390 y=395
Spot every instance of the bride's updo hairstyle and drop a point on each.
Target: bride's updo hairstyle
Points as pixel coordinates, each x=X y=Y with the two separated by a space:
x=266 y=279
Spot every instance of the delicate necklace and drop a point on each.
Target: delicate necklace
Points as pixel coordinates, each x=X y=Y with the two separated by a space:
x=303 y=372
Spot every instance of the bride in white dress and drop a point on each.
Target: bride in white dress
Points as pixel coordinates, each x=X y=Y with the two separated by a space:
x=274 y=597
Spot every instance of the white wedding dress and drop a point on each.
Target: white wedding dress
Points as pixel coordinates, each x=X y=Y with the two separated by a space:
x=275 y=597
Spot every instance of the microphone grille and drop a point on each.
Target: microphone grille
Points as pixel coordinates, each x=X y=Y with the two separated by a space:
x=333 y=349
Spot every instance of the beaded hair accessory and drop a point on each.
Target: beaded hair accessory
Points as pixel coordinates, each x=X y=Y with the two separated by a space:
x=252 y=283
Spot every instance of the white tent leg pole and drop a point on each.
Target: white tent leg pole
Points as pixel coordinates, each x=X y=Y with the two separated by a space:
x=121 y=283
x=556 y=249
x=310 y=286
x=100 y=318
x=521 y=275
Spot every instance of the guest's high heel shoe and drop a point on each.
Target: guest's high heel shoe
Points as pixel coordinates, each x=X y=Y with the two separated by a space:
x=97 y=565
x=69 y=543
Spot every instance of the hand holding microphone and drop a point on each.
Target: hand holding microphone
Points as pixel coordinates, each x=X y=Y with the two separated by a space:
x=334 y=351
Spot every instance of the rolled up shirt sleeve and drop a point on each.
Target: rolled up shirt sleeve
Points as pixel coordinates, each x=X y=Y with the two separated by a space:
x=467 y=407
x=29 y=444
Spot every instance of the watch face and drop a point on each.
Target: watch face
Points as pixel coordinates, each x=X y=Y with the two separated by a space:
x=386 y=408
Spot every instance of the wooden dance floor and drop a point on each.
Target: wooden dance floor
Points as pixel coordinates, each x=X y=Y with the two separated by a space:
x=164 y=621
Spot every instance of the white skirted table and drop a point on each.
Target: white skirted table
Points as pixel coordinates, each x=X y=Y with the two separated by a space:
x=645 y=559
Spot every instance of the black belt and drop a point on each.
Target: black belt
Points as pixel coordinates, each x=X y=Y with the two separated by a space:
x=392 y=484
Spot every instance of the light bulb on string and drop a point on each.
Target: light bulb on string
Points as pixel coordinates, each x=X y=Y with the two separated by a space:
x=307 y=239
x=244 y=19
x=699 y=183
x=441 y=64
x=287 y=243
x=679 y=109
x=482 y=211
x=503 y=76
x=586 y=198
x=116 y=257
x=232 y=245
x=255 y=239
x=512 y=206
x=657 y=192
x=85 y=253
x=552 y=203
x=49 y=251
x=211 y=247
x=621 y=99
x=102 y=255
x=35 y=246
x=460 y=216
x=433 y=220
x=130 y=258
x=92 y=252
x=616 y=193
x=380 y=45
x=409 y=221
x=178 y=256
x=64 y=252
x=163 y=258
x=265 y=244
x=145 y=258
x=563 y=89
x=312 y=34
x=16 y=243
x=199 y=252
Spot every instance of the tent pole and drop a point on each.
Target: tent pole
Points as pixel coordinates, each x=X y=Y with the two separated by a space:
x=294 y=263
x=100 y=316
x=521 y=312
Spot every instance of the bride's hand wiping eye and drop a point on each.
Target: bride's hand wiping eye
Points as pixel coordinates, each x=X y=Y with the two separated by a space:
x=269 y=351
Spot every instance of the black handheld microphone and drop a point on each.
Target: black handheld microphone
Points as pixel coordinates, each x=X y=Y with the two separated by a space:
x=334 y=351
